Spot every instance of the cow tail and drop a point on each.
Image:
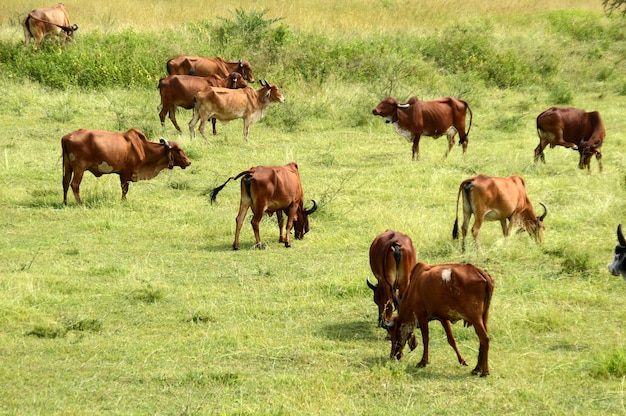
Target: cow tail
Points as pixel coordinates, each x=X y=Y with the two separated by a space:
x=470 y=122
x=217 y=190
x=27 y=25
x=455 y=229
x=489 y=285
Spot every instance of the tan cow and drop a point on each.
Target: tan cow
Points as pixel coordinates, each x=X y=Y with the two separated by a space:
x=446 y=293
x=271 y=189
x=52 y=21
x=227 y=105
x=203 y=67
x=128 y=154
x=494 y=198
x=392 y=257
x=179 y=90
x=429 y=118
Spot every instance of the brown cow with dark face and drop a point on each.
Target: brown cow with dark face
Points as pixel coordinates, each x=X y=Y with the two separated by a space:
x=573 y=128
x=429 y=118
x=128 y=154
x=494 y=198
x=178 y=90
x=271 y=189
x=52 y=21
x=227 y=105
x=392 y=257
x=446 y=293
x=203 y=67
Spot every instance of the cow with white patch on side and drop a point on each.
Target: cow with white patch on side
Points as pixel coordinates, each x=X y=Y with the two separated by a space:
x=446 y=293
x=618 y=266
x=130 y=154
x=444 y=116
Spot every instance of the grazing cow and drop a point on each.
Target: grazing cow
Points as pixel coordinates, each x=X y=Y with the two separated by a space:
x=128 y=154
x=494 y=198
x=392 y=257
x=203 y=67
x=447 y=293
x=227 y=105
x=619 y=262
x=271 y=189
x=178 y=90
x=52 y=21
x=430 y=118
x=573 y=128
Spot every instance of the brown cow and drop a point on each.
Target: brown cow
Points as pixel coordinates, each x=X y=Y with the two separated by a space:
x=178 y=90
x=618 y=266
x=573 y=128
x=447 y=293
x=203 y=67
x=128 y=154
x=494 y=198
x=429 y=118
x=227 y=105
x=52 y=21
x=392 y=257
x=271 y=189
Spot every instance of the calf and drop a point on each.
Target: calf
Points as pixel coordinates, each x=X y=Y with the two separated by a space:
x=447 y=293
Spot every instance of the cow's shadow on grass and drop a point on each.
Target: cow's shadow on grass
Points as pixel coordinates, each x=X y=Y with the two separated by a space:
x=351 y=331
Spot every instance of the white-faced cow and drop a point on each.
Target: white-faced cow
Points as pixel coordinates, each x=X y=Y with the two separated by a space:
x=52 y=21
x=227 y=105
x=128 y=154
x=392 y=257
x=429 y=118
x=573 y=128
x=618 y=267
x=179 y=90
x=494 y=198
x=446 y=293
x=203 y=67
x=271 y=189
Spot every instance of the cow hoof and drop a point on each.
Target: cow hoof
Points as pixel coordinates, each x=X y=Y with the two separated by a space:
x=235 y=248
x=287 y=245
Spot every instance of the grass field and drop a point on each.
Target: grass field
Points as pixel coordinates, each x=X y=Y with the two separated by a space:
x=141 y=307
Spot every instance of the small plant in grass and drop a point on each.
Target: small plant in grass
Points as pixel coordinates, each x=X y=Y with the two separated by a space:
x=609 y=364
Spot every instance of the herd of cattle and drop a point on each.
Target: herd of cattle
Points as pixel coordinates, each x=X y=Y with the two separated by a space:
x=218 y=90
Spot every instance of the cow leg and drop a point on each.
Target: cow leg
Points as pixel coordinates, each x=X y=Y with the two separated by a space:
x=506 y=228
x=539 y=152
x=447 y=326
x=124 y=182
x=213 y=122
x=78 y=177
x=243 y=209
x=172 y=113
x=478 y=222
x=281 y=225
x=67 y=178
x=416 y=148
x=293 y=211
x=256 y=220
x=599 y=159
x=423 y=324
x=192 y=125
x=246 y=125
x=450 y=135
x=482 y=366
x=202 y=127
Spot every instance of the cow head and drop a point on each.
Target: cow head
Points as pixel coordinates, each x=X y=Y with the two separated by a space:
x=587 y=149
x=273 y=94
x=399 y=334
x=175 y=154
x=536 y=227
x=388 y=108
x=236 y=80
x=619 y=262
x=246 y=70
x=301 y=222
x=383 y=300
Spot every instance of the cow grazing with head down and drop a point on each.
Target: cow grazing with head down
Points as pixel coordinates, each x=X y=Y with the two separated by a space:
x=618 y=267
x=179 y=90
x=447 y=293
x=429 y=118
x=494 y=198
x=52 y=21
x=573 y=128
x=203 y=67
x=392 y=257
x=128 y=154
x=271 y=189
x=227 y=105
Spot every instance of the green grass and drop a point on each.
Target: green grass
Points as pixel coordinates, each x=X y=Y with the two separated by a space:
x=141 y=306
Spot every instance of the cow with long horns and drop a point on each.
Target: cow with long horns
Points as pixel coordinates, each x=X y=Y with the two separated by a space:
x=494 y=198
x=618 y=266
x=271 y=189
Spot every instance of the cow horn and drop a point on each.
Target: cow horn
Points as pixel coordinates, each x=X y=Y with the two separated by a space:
x=545 y=211
x=165 y=143
x=387 y=325
x=371 y=285
x=595 y=146
x=74 y=27
x=241 y=63
x=267 y=84
x=403 y=106
x=312 y=209
x=261 y=82
x=620 y=236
